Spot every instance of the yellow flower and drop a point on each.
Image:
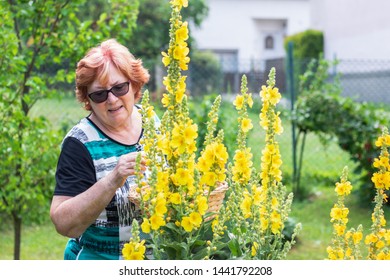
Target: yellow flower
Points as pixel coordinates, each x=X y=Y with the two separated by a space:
x=380 y=244
x=221 y=153
x=182 y=32
x=167 y=84
x=246 y=207
x=344 y=188
x=196 y=219
x=339 y=213
x=383 y=141
x=165 y=100
x=162 y=182
x=239 y=102
x=145 y=226
x=331 y=253
x=190 y=133
x=182 y=177
x=276 y=222
x=180 y=3
x=278 y=128
x=186 y=224
x=371 y=239
x=209 y=178
x=381 y=180
x=274 y=96
x=202 y=205
x=357 y=237
x=255 y=247
x=382 y=256
x=175 y=198
x=209 y=155
x=264 y=223
x=180 y=89
x=160 y=208
x=246 y=125
x=166 y=59
x=340 y=229
x=214 y=223
x=163 y=145
x=134 y=250
x=256 y=196
x=180 y=53
x=156 y=221
x=250 y=100
x=204 y=165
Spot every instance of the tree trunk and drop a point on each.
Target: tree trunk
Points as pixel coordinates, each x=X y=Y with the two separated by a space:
x=17 y=235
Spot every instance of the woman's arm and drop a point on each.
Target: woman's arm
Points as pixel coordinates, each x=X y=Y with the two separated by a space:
x=79 y=199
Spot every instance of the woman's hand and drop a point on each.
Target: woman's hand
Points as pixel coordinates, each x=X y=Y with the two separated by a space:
x=126 y=167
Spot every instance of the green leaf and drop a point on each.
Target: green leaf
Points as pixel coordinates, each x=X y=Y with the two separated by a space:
x=234 y=247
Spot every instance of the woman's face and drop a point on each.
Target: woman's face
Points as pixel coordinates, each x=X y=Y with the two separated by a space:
x=115 y=111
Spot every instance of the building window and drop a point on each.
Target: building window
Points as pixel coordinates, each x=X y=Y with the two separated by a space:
x=269 y=42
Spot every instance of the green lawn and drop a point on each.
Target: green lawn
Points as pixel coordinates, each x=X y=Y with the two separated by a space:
x=322 y=168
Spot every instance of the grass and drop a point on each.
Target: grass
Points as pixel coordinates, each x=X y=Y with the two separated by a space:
x=322 y=169
x=39 y=242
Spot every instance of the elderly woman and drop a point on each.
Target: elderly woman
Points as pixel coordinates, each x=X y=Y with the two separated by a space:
x=96 y=166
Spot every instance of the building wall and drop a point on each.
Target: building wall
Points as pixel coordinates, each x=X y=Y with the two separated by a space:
x=240 y=26
x=353 y=29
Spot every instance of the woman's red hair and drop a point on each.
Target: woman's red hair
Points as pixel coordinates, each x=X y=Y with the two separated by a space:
x=95 y=65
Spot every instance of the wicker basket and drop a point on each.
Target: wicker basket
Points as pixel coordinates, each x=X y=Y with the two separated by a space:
x=135 y=196
x=215 y=199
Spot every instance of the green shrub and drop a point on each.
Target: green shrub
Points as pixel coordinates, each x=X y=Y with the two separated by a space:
x=321 y=109
x=307 y=44
x=205 y=73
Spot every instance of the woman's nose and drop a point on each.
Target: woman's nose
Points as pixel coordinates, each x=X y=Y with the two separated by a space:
x=111 y=97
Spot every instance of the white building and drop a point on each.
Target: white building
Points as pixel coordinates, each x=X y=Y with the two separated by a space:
x=255 y=29
x=243 y=30
x=248 y=37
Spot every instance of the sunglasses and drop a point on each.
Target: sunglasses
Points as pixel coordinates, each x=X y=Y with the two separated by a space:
x=102 y=95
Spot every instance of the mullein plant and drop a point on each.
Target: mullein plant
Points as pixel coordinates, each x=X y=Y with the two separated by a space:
x=346 y=244
x=251 y=222
x=378 y=240
x=174 y=197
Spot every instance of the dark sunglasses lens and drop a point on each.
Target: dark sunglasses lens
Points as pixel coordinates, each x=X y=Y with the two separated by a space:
x=120 y=89
x=99 y=96
x=102 y=95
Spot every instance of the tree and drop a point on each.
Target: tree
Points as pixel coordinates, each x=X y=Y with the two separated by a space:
x=149 y=38
x=40 y=42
